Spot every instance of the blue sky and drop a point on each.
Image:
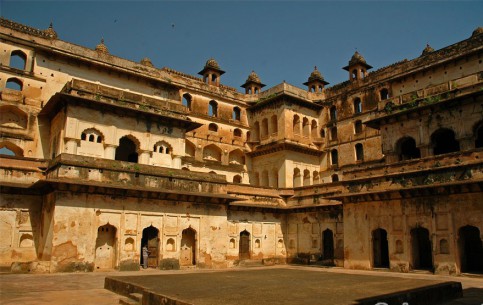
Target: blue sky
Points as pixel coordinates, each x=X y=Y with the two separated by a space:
x=279 y=40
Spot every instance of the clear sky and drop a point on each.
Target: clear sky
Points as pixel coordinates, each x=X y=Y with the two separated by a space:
x=279 y=40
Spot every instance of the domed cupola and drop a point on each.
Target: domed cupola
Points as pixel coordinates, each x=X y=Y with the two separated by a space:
x=316 y=81
x=51 y=32
x=357 y=67
x=101 y=48
x=253 y=85
x=427 y=50
x=211 y=72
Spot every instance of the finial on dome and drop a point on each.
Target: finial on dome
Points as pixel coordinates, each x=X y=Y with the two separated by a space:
x=51 y=32
x=101 y=48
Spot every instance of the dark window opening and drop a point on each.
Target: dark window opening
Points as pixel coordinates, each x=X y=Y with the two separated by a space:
x=357 y=127
x=187 y=100
x=328 y=244
x=334 y=157
x=380 y=249
x=444 y=142
x=83 y=136
x=479 y=136
x=333 y=113
x=359 y=152
x=422 y=257
x=126 y=151
x=237 y=132
x=335 y=178
x=213 y=127
x=407 y=149
x=470 y=249
x=236 y=114
x=384 y=94
x=333 y=133
x=91 y=138
x=213 y=109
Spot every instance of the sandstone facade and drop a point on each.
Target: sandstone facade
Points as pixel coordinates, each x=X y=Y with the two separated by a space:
x=101 y=156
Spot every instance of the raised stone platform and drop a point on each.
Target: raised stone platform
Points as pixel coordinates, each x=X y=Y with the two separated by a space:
x=282 y=286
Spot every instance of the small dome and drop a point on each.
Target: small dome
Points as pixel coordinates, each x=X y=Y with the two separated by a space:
x=211 y=63
x=51 y=32
x=101 y=48
x=146 y=62
x=357 y=59
x=315 y=75
x=253 y=77
x=477 y=31
x=427 y=50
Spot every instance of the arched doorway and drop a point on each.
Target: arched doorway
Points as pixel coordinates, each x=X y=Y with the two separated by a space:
x=443 y=141
x=470 y=249
x=188 y=247
x=151 y=240
x=127 y=150
x=328 y=244
x=244 y=251
x=422 y=257
x=105 y=247
x=380 y=249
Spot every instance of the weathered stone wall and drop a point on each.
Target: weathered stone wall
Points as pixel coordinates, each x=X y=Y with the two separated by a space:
x=442 y=216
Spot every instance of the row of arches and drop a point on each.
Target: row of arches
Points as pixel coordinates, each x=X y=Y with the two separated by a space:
x=469 y=247
x=358 y=152
x=265 y=129
x=304 y=127
x=237 y=132
x=214 y=153
x=187 y=101
x=13 y=117
x=443 y=141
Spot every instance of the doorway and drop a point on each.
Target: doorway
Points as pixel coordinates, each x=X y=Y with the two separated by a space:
x=380 y=249
x=244 y=251
x=127 y=150
x=328 y=244
x=470 y=249
x=105 y=247
x=422 y=257
x=188 y=247
x=151 y=240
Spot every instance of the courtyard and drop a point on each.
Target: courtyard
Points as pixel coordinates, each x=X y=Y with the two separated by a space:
x=256 y=285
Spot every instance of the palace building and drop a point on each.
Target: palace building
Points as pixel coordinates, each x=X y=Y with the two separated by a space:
x=102 y=155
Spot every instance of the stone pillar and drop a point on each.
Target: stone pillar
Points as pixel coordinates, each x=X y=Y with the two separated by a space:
x=426 y=150
x=144 y=156
x=176 y=163
x=466 y=143
x=71 y=145
x=110 y=151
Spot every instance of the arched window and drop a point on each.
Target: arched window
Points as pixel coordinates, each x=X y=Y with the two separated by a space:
x=212 y=152
x=306 y=127
x=354 y=74
x=127 y=149
x=479 y=135
x=162 y=147
x=13 y=117
x=237 y=179
x=190 y=149
x=264 y=129
x=92 y=135
x=213 y=127
x=333 y=113
x=237 y=132
x=213 y=108
x=297 y=177
x=335 y=178
x=273 y=124
x=357 y=127
x=384 y=94
x=10 y=149
x=306 y=177
x=296 y=125
x=334 y=157
x=322 y=132
x=359 y=152
x=236 y=156
x=407 y=150
x=313 y=129
x=236 y=114
x=316 y=177
x=444 y=142
x=357 y=105
x=256 y=132
x=18 y=60
x=187 y=100
x=333 y=133
x=14 y=84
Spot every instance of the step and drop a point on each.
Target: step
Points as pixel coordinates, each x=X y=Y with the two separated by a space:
x=128 y=301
